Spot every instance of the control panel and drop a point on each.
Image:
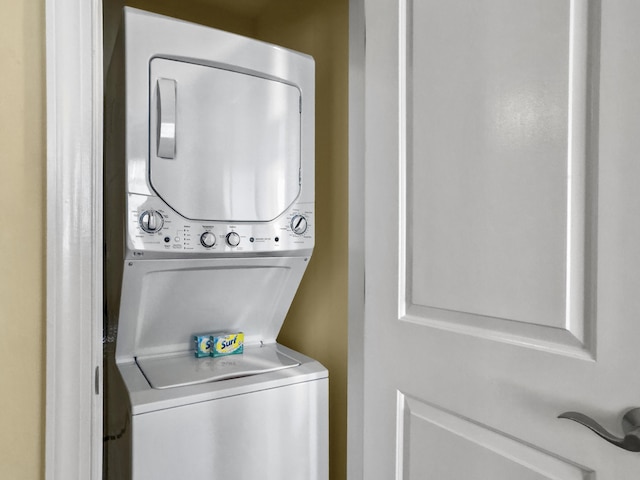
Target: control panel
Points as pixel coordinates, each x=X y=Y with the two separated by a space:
x=154 y=227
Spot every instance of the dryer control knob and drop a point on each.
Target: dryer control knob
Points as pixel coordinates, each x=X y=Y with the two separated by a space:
x=151 y=221
x=233 y=239
x=299 y=224
x=208 y=239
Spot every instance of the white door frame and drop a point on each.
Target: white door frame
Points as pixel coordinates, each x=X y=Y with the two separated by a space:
x=73 y=422
x=355 y=407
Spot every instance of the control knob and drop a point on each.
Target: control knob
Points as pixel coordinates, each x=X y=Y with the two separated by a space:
x=233 y=239
x=151 y=221
x=299 y=224
x=208 y=239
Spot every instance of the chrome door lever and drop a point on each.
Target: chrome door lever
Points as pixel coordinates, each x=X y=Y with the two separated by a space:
x=630 y=427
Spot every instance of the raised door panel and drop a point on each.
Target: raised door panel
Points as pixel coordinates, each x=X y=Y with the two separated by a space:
x=498 y=166
x=445 y=446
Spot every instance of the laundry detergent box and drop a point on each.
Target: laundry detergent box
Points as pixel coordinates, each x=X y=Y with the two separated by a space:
x=203 y=345
x=227 y=344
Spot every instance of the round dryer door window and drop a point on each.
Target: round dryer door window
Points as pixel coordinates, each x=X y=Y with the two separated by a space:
x=224 y=145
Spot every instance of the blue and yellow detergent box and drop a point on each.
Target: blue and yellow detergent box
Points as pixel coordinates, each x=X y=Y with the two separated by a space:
x=203 y=345
x=227 y=344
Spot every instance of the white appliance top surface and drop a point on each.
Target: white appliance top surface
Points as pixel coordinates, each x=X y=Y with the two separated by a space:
x=178 y=370
x=146 y=399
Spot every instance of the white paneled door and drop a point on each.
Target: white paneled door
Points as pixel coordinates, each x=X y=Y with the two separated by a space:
x=502 y=225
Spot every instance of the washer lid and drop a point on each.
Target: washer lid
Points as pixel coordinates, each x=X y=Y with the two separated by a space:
x=165 y=302
x=183 y=369
x=224 y=145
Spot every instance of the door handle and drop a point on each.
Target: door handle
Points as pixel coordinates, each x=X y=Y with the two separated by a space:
x=630 y=427
x=166 y=118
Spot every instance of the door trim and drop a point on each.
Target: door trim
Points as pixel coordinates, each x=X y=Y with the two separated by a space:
x=73 y=437
x=355 y=381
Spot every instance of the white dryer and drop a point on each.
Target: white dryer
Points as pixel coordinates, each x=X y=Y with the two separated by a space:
x=209 y=227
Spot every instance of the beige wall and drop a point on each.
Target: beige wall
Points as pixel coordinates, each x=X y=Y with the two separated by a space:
x=22 y=236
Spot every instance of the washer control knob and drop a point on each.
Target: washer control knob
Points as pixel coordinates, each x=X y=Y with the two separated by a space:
x=208 y=239
x=299 y=224
x=233 y=239
x=151 y=221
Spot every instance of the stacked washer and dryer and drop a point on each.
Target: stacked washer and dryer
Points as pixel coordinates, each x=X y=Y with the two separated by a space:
x=209 y=227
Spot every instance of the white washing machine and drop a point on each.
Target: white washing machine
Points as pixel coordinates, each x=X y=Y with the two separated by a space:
x=209 y=227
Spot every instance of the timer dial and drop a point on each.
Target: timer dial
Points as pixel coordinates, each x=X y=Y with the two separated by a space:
x=299 y=224
x=151 y=221
x=233 y=239
x=208 y=239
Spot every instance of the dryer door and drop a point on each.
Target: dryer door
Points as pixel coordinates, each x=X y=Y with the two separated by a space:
x=224 y=145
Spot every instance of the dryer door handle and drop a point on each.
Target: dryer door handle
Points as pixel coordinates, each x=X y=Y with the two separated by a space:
x=166 y=118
